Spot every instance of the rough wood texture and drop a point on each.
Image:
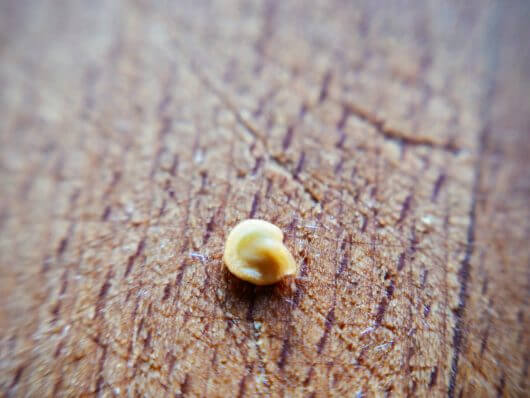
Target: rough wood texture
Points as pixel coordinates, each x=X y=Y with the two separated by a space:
x=389 y=141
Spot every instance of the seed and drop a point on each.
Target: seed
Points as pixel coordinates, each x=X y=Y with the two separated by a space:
x=255 y=252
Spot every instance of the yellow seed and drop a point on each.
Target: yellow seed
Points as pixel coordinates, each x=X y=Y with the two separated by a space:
x=255 y=252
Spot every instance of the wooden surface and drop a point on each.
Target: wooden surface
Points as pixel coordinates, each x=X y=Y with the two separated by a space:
x=388 y=140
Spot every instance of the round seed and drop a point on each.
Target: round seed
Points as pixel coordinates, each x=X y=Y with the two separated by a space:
x=255 y=252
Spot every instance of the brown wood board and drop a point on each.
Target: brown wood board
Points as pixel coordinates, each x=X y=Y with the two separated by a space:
x=388 y=140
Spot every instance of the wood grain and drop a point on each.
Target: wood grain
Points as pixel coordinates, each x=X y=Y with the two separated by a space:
x=388 y=140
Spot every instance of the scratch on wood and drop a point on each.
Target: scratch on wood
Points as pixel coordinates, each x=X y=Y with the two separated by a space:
x=405 y=208
x=330 y=319
x=395 y=135
x=102 y=293
x=325 y=86
x=401 y=261
x=288 y=138
x=18 y=375
x=437 y=187
x=132 y=259
x=255 y=205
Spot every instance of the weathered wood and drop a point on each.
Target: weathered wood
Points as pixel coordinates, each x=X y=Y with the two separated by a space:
x=388 y=140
